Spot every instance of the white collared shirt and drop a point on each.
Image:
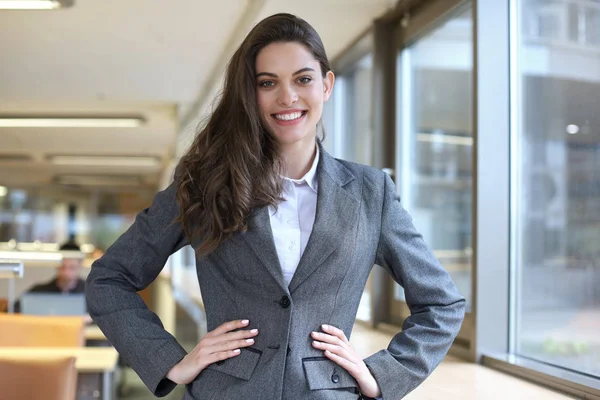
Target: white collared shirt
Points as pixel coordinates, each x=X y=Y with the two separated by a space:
x=293 y=221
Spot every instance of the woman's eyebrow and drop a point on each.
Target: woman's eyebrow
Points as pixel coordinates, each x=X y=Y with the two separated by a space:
x=272 y=75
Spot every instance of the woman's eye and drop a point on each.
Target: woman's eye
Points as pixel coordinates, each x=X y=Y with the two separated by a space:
x=266 y=83
x=305 y=79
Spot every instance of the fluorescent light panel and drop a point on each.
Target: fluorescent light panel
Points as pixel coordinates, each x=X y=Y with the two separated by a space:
x=447 y=139
x=74 y=122
x=105 y=161
x=29 y=5
x=111 y=181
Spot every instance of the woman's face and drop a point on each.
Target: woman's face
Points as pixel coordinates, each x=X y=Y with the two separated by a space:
x=291 y=91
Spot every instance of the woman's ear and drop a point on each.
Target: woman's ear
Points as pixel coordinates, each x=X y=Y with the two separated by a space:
x=328 y=83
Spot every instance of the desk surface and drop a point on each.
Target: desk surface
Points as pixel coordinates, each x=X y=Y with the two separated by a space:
x=88 y=359
x=92 y=332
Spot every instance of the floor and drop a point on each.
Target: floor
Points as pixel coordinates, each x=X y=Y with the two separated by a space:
x=454 y=379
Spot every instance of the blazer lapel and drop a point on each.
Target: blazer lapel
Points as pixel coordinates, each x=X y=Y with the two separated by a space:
x=259 y=237
x=336 y=214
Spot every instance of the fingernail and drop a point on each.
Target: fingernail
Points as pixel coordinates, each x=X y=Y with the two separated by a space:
x=254 y=331
x=249 y=340
x=236 y=351
x=245 y=322
x=325 y=327
x=315 y=342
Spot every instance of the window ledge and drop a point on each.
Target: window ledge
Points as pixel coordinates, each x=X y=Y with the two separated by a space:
x=582 y=386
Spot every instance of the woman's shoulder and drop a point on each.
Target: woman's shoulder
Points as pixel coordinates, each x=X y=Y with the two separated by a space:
x=363 y=171
x=370 y=181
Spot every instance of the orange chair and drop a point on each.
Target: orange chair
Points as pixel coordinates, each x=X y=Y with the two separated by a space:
x=41 y=331
x=54 y=379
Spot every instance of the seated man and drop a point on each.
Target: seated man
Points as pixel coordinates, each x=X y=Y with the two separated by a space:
x=67 y=279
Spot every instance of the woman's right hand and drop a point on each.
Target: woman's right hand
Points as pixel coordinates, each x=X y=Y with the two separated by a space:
x=216 y=345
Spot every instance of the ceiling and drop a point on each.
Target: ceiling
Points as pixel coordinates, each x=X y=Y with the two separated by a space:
x=156 y=59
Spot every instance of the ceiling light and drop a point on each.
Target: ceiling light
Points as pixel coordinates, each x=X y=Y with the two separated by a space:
x=71 y=122
x=34 y=4
x=14 y=158
x=572 y=129
x=448 y=139
x=105 y=161
x=97 y=180
x=3 y=191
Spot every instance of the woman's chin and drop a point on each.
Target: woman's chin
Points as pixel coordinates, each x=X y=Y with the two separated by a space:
x=289 y=138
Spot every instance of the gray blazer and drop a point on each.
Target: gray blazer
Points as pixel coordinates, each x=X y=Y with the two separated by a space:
x=359 y=222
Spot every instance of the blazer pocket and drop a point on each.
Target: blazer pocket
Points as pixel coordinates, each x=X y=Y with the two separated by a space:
x=322 y=373
x=241 y=366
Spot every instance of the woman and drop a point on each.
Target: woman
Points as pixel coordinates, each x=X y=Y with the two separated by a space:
x=285 y=237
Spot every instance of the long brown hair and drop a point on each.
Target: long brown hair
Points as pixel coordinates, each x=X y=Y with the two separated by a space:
x=233 y=165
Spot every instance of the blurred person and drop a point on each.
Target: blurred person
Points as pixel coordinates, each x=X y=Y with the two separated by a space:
x=285 y=237
x=67 y=279
x=68 y=274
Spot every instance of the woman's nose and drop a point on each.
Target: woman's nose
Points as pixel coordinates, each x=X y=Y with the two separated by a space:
x=287 y=96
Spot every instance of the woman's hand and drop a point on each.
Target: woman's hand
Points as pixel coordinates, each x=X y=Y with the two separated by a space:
x=216 y=345
x=337 y=348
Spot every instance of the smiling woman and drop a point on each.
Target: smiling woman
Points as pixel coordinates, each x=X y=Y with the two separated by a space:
x=285 y=237
x=291 y=91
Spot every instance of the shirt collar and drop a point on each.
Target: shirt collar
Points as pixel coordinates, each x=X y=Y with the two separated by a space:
x=311 y=176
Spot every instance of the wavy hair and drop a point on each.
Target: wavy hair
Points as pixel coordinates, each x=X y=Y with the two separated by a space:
x=233 y=165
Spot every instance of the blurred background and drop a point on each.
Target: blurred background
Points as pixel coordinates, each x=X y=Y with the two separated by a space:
x=484 y=112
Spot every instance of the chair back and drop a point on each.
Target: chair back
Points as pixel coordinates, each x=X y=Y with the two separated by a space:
x=48 y=379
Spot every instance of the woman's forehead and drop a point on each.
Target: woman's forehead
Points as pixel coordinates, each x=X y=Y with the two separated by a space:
x=287 y=57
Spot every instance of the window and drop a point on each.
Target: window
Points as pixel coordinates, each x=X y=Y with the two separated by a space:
x=28 y=215
x=356 y=99
x=435 y=143
x=556 y=159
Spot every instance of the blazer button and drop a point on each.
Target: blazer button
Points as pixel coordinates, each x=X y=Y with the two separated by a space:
x=285 y=302
x=335 y=378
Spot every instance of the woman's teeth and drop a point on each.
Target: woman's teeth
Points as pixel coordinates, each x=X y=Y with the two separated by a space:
x=289 y=117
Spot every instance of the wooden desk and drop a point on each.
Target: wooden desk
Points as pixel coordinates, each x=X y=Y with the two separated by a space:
x=92 y=332
x=102 y=360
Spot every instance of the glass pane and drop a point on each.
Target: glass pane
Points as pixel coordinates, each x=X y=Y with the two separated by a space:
x=357 y=133
x=557 y=164
x=356 y=85
x=436 y=143
x=27 y=215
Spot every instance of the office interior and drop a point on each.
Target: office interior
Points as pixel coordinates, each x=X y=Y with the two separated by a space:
x=484 y=113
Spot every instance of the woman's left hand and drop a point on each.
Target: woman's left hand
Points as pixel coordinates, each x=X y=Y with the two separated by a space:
x=334 y=343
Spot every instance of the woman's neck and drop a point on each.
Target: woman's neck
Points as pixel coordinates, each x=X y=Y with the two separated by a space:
x=298 y=158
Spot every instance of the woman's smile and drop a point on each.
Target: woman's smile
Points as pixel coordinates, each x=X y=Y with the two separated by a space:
x=291 y=117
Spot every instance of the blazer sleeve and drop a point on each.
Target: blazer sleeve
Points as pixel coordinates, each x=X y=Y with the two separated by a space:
x=128 y=266
x=437 y=308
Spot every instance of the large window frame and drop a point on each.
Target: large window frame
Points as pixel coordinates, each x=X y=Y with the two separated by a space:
x=495 y=33
x=488 y=335
x=411 y=27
